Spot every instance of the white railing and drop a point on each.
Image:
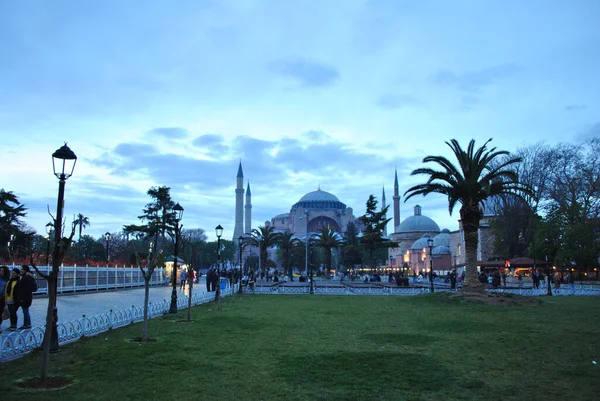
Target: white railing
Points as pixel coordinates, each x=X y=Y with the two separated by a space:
x=74 y=278
x=18 y=343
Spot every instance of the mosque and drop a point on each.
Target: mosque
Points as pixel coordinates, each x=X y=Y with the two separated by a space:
x=319 y=208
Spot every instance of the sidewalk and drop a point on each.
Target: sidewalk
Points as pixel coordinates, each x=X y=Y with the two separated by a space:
x=73 y=306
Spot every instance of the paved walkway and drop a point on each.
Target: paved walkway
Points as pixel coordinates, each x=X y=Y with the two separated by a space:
x=73 y=306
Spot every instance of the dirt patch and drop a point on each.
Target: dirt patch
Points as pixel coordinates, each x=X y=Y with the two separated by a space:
x=51 y=383
x=491 y=298
x=141 y=340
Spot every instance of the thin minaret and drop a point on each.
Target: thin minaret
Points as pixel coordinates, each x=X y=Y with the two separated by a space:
x=248 y=210
x=383 y=207
x=396 y=204
x=239 y=205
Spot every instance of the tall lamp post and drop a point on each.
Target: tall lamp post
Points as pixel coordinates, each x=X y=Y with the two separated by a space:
x=218 y=233
x=107 y=238
x=49 y=228
x=259 y=238
x=61 y=164
x=312 y=281
x=177 y=213
x=240 y=243
x=430 y=245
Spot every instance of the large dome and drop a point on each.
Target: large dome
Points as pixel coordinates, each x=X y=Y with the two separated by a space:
x=319 y=195
x=319 y=200
x=418 y=222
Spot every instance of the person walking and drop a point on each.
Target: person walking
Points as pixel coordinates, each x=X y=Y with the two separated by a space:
x=10 y=297
x=571 y=281
x=24 y=295
x=4 y=277
x=182 y=279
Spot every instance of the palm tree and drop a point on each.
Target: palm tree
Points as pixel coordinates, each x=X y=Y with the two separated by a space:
x=82 y=222
x=286 y=242
x=478 y=177
x=328 y=239
x=263 y=238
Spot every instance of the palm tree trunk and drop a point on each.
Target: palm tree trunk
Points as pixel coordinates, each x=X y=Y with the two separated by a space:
x=471 y=283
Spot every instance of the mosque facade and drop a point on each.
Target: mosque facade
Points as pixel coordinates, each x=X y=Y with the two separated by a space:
x=319 y=209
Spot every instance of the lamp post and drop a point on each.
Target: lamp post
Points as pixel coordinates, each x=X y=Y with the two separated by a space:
x=312 y=284
x=240 y=243
x=107 y=238
x=259 y=238
x=49 y=228
x=9 y=245
x=430 y=245
x=61 y=164
x=177 y=213
x=218 y=233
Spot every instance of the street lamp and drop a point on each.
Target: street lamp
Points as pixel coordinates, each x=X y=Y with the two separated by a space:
x=49 y=228
x=259 y=238
x=218 y=233
x=177 y=213
x=107 y=238
x=63 y=165
x=240 y=243
x=9 y=245
x=430 y=245
x=311 y=286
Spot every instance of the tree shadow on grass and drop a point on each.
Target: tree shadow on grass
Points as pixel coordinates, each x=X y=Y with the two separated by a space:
x=400 y=339
x=368 y=375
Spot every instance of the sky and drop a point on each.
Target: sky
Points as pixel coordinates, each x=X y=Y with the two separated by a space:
x=336 y=93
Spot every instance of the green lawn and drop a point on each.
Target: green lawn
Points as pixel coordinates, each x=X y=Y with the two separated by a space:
x=337 y=348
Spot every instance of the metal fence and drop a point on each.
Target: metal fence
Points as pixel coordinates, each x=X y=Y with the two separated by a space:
x=74 y=279
x=18 y=343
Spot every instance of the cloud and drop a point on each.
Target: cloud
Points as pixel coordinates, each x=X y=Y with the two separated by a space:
x=307 y=73
x=474 y=81
x=575 y=107
x=169 y=132
x=391 y=101
x=211 y=144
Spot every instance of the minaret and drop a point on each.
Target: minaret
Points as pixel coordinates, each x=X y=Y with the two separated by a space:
x=396 y=204
x=239 y=206
x=248 y=210
x=383 y=207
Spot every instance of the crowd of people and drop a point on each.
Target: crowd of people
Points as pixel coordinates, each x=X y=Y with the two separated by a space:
x=16 y=291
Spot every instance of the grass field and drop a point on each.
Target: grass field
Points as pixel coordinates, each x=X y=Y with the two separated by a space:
x=337 y=348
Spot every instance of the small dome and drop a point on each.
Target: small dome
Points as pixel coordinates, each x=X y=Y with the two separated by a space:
x=442 y=239
x=418 y=222
x=441 y=250
x=421 y=242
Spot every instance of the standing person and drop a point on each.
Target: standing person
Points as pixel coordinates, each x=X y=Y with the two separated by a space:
x=10 y=297
x=4 y=277
x=182 y=278
x=453 y=280
x=24 y=294
x=520 y=279
x=571 y=281
x=209 y=274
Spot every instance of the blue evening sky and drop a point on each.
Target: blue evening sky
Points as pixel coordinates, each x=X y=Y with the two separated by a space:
x=329 y=92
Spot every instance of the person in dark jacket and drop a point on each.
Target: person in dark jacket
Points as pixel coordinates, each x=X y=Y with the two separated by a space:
x=10 y=296
x=24 y=295
x=4 y=277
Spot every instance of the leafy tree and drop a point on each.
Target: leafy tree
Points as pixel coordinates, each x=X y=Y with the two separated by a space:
x=157 y=216
x=82 y=222
x=352 y=252
x=512 y=227
x=374 y=222
x=328 y=239
x=470 y=183
x=11 y=212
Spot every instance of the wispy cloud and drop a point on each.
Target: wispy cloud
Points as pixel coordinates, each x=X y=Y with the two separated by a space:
x=575 y=107
x=307 y=73
x=474 y=81
x=168 y=132
x=391 y=101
